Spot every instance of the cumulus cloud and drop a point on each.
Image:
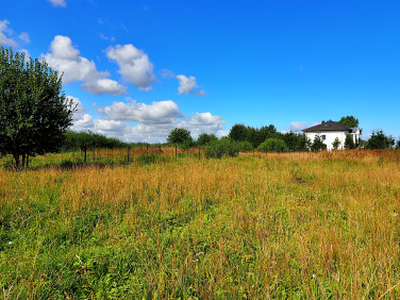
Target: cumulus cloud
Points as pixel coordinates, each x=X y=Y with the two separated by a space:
x=153 y=121
x=66 y=58
x=7 y=37
x=160 y=112
x=203 y=122
x=134 y=65
x=61 y=3
x=188 y=85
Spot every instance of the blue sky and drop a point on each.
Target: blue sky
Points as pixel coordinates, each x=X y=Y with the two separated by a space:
x=141 y=68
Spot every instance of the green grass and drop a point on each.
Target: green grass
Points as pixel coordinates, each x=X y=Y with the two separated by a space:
x=254 y=227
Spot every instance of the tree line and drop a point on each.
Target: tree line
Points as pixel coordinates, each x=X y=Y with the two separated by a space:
x=35 y=116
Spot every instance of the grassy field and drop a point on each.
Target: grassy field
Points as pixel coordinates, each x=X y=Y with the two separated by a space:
x=306 y=226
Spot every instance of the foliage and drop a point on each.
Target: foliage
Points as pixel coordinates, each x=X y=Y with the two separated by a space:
x=205 y=138
x=336 y=143
x=34 y=112
x=222 y=147
x=349 y=142
x=244 y=146
x=179 y=136
x=349 y=121
x=379 y=140
x=273 y=144
x=238 y=132
x=318 y=144
x=89 y=140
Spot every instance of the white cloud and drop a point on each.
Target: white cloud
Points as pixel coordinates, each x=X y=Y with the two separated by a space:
x=7 y=36
x=135 y=66
x=61 y=3
x=157 y=113
x=297 y=126
x=155 y=121
x=203 y=122
x=188 y=85
x=65 y=58
x=25 y=38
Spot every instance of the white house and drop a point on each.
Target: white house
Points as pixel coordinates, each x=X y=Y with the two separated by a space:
x=330 y=130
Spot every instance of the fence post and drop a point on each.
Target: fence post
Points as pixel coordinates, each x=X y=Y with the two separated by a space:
x=176 y=151
x=128 y=153
x=93 y=155
x=147 y=149
x=199 y=153
x=159 y=148
x=84 y=149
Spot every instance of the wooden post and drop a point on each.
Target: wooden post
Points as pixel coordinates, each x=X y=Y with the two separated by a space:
x=128 y=153
x=93 y=155
x=159 y=149
x=147 y=149
x=176 y=151
x=199 y=153
x=27 y=160
x=84 y=149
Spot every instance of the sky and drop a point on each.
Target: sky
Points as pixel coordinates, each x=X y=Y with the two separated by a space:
x=138 y=69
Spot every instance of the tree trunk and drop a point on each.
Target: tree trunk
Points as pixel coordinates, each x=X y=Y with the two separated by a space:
x=17 y=162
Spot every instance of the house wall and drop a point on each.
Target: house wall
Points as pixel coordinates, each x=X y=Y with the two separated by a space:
x=330 y=137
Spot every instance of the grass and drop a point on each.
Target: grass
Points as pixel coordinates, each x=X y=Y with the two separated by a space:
x=303 y=226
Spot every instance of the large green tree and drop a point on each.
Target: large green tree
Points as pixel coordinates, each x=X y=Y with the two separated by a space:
x=349 y=121
x=180 y=136
x=34 y=112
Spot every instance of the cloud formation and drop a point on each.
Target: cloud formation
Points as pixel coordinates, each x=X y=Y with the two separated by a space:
x=61 y=3
x=134 y=65
x=7 y=37
x=66 y=58
x=188 y=85
x=154 y=121
x=297 y=126
x=161 y=112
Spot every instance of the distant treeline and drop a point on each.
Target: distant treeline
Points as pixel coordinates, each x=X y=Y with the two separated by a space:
x=80 y=140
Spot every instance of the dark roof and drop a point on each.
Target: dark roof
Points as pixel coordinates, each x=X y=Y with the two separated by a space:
x=328 y=126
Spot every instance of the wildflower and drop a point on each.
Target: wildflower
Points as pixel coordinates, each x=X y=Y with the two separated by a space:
x=314 y=276
x=9 y=242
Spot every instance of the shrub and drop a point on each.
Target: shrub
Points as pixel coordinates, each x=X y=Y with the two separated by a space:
x=220 y=148
x=244 y=146
x=273 y=144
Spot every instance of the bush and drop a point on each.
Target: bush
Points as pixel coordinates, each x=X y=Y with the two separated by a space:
x=244 y=146
x=273 y=144
x=220 y=148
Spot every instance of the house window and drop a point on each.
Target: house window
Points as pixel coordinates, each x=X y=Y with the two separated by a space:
x=323 y=137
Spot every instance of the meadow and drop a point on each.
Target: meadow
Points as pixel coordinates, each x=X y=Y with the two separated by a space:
x=258 y=226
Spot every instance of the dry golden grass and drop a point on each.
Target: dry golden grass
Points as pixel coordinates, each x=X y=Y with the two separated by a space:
x=297 y=225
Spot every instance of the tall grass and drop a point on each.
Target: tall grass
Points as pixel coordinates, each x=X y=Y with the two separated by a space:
x=296 y=225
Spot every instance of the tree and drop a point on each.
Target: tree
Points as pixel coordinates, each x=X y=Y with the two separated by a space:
x=379 y=140
x=34 y=112
x=318 y=144
x=273 y=144
x=336 y=143
x=238 y=132
x=205 y=138
x=349 y=142
x=222 y=147
x=179 y=136
x=349 y=121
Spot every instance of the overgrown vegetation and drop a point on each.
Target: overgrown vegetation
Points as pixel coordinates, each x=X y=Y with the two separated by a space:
x=294 y=225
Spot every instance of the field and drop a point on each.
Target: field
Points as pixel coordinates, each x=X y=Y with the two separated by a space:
x=258 y=226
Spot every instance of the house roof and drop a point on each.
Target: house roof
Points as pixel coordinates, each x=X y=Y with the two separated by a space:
x=328 y=126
